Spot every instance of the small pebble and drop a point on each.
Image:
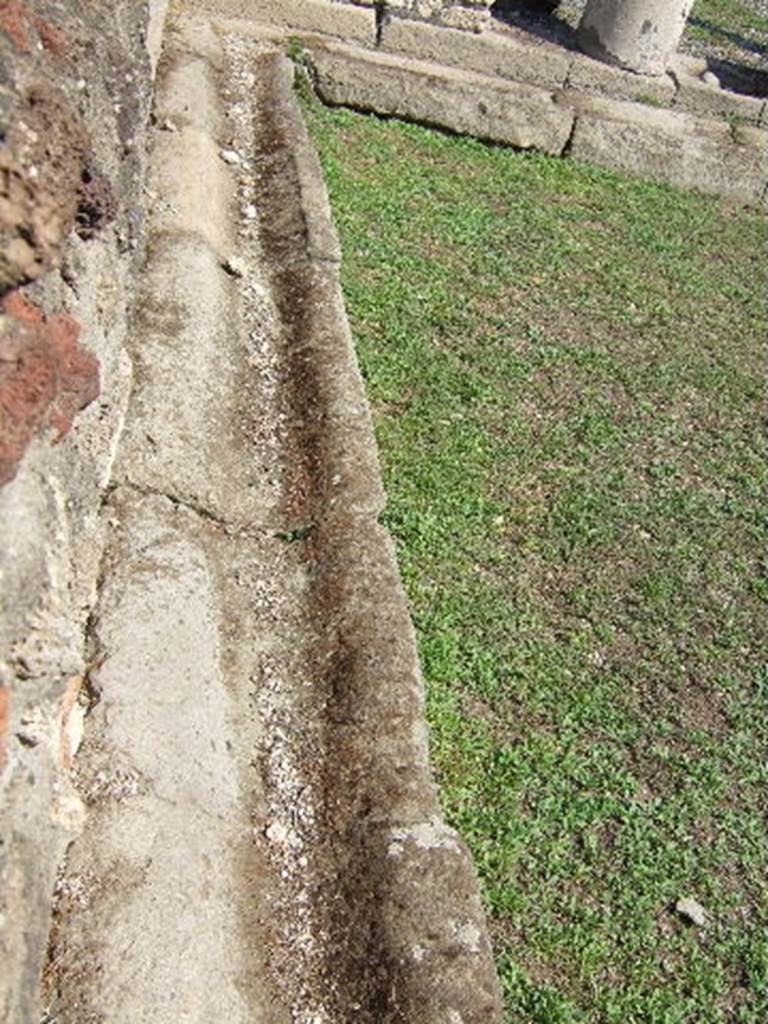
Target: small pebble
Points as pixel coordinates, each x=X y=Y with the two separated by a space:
x=692 y=911
x=710 y=78
x=168 y=125
x=229 y=156
x=235 y=266
x=277 y=833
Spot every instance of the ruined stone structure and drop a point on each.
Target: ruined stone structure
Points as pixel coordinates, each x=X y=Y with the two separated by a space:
x=215 y=794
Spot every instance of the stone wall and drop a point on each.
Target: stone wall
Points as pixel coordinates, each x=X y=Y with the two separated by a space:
x=74 y=105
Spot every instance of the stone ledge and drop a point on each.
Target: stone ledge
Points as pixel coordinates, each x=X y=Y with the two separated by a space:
x=589 y=75
x=505 y=54
x=467 y=15
x=664 y=145
x=668 y=146
x=697 y=96
x=464 y=102
x=343 y=20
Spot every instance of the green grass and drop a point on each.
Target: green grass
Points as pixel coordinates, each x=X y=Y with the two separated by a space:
x=729 y=21
x=565 y=368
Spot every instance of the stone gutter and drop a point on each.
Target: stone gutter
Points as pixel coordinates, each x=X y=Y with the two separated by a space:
x=264 y=837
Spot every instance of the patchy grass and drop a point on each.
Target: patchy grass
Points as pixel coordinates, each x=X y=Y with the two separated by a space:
x=734 y=24
x=565 y=368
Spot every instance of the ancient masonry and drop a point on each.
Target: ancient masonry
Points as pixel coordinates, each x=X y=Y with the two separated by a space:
x=216 y=800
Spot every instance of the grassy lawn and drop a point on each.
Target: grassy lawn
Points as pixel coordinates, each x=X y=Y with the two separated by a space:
x=566 y=372
x=740 y=24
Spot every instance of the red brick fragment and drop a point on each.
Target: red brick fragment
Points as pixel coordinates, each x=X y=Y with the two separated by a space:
x=52 y=38
x=46 y=378
x=18 y=305
x=16 y=21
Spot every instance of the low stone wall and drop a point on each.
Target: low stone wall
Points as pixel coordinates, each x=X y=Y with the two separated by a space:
x=74 y=106
x=453 y=66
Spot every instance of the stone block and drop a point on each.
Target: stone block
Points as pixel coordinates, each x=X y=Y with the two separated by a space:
x=506 y=54
x=668 y=146
x=589 y=75
x=697 y=95
x=463 y=102
x=347 y=21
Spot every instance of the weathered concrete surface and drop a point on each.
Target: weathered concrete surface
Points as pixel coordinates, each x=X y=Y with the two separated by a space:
x=154 y=875
x=640 y=35
x=255 y=764
x=470 y=104
x=664 y=145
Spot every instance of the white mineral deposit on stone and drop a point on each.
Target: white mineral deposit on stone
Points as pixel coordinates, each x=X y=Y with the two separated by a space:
x=277 y=833
x=468 y=935
x=67 y=809
x=427 y=835
x=73 y=729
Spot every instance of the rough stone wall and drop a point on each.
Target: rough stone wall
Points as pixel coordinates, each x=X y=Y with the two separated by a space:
x=75 y=82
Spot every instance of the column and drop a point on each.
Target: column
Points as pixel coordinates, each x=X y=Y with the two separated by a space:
x=640 y=35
